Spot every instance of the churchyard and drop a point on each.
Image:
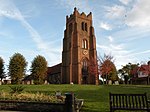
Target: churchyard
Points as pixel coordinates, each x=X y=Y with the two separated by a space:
x=96 y=98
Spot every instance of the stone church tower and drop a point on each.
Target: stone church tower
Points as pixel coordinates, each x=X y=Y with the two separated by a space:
x=79 y=48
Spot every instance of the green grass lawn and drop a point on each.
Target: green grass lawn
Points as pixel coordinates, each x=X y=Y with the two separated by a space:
x=96 y=98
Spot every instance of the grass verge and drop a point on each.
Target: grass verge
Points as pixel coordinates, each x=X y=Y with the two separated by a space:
x=96 y=98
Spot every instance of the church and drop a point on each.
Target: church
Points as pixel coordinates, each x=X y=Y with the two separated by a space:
x=79 y=49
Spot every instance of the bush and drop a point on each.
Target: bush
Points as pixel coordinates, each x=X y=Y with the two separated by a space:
x=29 y=97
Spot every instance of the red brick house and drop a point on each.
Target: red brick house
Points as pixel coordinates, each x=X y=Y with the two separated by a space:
x=141 y=75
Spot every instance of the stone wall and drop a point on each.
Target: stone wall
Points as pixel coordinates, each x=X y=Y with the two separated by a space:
x=31 y=106
x=68 y=106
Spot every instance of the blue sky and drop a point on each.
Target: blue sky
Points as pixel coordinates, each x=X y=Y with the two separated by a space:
x=36 y=27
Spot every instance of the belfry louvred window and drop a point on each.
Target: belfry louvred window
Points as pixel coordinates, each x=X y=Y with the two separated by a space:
x=84 y=26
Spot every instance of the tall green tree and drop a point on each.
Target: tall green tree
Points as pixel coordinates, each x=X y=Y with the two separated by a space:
x=107 y=68
x=39 y=69
x=2 y=73
x=125 y=71
x=17 y=68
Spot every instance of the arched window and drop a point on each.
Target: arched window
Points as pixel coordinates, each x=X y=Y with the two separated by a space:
x=84 y=26
x=84 y=44
x=84 y=64
x=85 y=71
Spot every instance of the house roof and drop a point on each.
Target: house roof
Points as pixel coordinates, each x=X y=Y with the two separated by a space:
x=135 y=70
x=54 y=69
x=144 y=68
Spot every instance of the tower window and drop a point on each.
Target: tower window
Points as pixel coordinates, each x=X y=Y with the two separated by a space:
x=84 y=64
x=84 y=67
x=84 y=26
x=84 y=44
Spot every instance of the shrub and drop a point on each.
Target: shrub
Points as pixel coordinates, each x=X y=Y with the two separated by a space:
x=29 y=97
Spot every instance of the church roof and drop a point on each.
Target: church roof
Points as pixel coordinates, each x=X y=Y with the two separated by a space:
x=54 y=69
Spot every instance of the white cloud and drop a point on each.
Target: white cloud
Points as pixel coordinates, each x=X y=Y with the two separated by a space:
x=105 y=26
x=79 y=4
x=68 y=3
x=119 y=53
x=131 y=34
x=123 y=60
x=116 y=47
x=139 y=53
x=9 y=10
x=116 y=11
x=110 y=38
x=51 y=54
x=125 y=2
x=139 y=15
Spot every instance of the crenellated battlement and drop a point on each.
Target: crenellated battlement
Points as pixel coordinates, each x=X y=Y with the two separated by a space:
x=77 y=14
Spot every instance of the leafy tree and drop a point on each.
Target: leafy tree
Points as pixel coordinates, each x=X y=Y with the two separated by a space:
x=17 y=68
x=2 y=73
x=113 y=74
x=107 y=68
x=125 y=71
x=39 y=69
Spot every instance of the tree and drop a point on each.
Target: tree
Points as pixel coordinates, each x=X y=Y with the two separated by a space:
x=93 y=69
x=107 y=68
x=126 y=71
x=39 y=69
x=2 y=73
x=17 y=68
